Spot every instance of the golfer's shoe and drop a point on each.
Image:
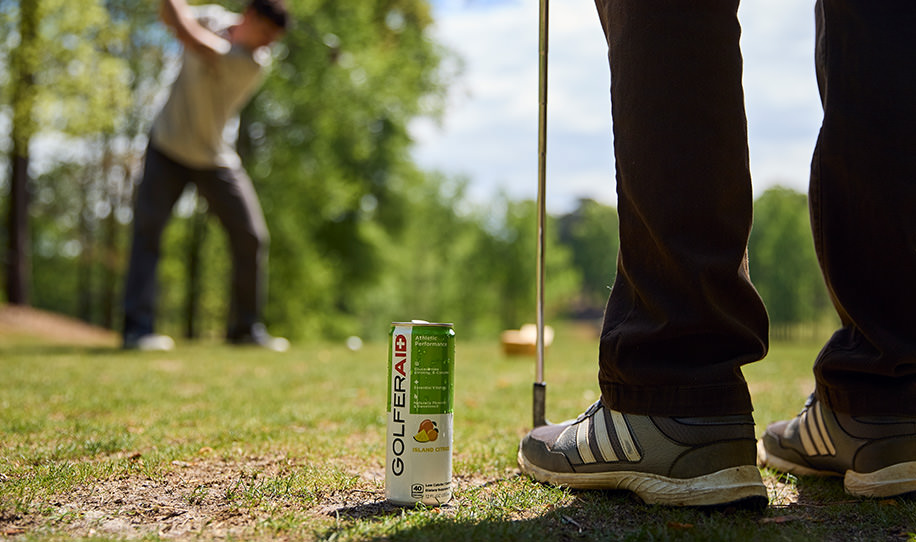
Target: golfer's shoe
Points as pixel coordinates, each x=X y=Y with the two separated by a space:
x=704 y=461
x=149 y=342
x=258 y=336
x=876 y=455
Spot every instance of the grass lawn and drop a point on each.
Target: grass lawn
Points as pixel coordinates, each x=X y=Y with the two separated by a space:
x=217 y=442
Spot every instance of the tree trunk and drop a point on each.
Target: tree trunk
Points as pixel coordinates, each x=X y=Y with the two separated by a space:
x=109 y=248
x=109 y=267
x=18 y=260
x=84 y=264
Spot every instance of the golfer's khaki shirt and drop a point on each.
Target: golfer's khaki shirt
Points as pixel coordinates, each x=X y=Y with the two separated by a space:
x=198 y=125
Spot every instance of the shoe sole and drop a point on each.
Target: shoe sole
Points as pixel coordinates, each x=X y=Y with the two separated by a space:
x=166 y=344
x=726 y=486
x=890 y=481
x=276 y=344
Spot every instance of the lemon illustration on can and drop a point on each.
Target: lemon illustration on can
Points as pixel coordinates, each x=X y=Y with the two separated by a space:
x=428 y=432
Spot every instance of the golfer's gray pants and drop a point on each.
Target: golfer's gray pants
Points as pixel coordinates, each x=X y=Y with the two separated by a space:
x=683 y=315
x=231 y=197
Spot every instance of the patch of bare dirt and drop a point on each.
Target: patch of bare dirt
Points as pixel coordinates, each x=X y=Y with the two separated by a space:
x=207 y=498
x=781 y=493
x=52 y=327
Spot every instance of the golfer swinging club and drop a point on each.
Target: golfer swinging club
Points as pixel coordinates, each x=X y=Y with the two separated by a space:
x=224 y=54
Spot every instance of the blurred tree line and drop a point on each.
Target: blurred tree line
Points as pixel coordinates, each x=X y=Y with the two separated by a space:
x=360 y=236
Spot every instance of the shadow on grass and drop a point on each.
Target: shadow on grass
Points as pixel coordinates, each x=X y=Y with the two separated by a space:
x=823 y=509
x=823 y=512
x=592 y=515
x=371 y=511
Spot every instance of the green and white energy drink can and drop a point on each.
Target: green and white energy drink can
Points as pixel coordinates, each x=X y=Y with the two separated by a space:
x=421 y=383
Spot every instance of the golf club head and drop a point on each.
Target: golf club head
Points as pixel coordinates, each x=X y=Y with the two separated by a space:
x=538 y=406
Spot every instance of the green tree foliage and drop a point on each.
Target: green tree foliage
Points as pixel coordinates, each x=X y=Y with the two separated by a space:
x=518 y=252
x=64 y=74
x=194 y=239
x=592 y=234
x=782 y=260
x=63 y=79
x=437 y=264
x=360 y=236
x=327 y=146
x=81 y=82
x=473 y=265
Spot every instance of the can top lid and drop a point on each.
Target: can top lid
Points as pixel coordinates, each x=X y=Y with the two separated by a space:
x=422 y=323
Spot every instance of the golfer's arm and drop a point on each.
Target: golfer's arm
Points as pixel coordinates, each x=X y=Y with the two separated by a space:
x=178 y=16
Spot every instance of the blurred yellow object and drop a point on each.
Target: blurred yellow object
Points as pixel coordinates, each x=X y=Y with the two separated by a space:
x=523 y=341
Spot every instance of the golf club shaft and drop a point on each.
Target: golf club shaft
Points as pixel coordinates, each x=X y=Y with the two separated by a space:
x=539 y=384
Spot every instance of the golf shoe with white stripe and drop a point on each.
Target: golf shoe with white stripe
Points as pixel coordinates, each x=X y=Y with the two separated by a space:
x=663 y=460
x=875 y=455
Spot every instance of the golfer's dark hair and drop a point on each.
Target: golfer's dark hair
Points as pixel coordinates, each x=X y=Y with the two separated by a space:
x=273 y=10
